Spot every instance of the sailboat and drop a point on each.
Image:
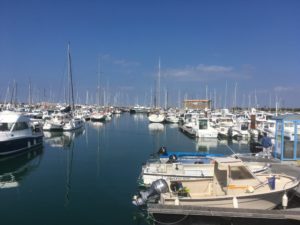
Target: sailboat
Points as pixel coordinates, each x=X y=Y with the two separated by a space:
x=157 y=117
x=75 y=122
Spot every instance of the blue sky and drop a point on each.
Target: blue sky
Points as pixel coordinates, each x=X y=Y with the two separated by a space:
x=203 y=45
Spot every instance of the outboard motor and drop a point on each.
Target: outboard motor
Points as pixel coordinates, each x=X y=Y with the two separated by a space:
x=162 y=151
x=157 y=187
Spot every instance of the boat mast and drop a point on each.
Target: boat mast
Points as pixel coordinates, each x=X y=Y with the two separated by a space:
x=225 y=100
x=98 y=85
x=234 y=97
x=30 y=94
x=70 y=76
x=158 y=84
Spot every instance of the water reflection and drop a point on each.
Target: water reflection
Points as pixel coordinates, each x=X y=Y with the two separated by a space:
x=173 y=125
x=69 y=175
x=96 y=124
x=205 y=145
x=156 y=127
x=15 y=168
x=62 y=139
x=139 y=117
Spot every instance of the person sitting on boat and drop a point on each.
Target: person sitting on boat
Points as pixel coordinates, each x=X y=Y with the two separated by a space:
x=266 y=144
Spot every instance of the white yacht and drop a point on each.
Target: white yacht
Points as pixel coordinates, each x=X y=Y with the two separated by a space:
x=98 y=117
x=156 y=118
x=73 y=124
x=205 y=129
x=57 y=122
x=188 y=124
x=17 y=133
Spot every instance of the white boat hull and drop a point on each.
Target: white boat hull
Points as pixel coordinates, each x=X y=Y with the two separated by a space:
x=261 y=201
x=172 y=172
x=156 y=118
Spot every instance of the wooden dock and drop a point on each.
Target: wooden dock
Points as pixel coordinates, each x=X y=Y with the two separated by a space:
x=224 y=212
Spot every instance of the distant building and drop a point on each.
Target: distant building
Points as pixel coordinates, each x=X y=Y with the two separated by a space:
x=197 y=104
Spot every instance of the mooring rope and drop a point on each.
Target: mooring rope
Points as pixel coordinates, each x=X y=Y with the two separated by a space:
x=166 y=223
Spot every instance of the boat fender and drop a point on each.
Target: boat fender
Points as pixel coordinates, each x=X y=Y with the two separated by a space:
x=176 y=202
x=285 y=200
x=271 y=182
x=250 y=189
x=235 y=202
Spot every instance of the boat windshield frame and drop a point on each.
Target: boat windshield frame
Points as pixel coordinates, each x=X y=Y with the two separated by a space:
x=6 y=127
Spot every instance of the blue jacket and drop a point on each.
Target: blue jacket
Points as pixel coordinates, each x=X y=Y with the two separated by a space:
x=266 y=142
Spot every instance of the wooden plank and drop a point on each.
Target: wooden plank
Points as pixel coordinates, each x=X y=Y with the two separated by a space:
x=223 y=212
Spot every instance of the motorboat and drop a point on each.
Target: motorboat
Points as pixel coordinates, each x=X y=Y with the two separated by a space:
x=57 y=122
x=232 y=185
x=240 y=129
x=186 y=168
x=205 y=129
x=223 y=125
x=172 y=117
x=139 y=109
x=98 y=117
x=200 y=128
x=73 y=124
x=18 y=133
x=189 y=123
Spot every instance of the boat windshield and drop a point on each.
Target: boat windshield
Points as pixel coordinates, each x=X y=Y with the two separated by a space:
x=5 y=126
x=202 y=124
x=20 y=126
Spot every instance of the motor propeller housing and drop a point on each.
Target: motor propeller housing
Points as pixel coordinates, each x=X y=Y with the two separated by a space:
x=157 y=187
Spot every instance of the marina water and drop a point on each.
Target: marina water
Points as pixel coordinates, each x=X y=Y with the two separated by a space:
x=89 y=176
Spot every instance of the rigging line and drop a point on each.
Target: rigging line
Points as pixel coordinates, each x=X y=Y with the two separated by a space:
x=236 y=156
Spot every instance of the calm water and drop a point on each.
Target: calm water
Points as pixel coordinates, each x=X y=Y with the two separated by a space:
x=89 y=177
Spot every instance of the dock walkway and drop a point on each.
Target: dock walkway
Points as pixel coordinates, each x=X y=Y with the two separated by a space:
x=224 y=212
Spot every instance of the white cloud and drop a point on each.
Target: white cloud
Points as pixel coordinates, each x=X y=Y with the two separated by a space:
x=203 y=72
x=283 y=88
x=126 y=88
x=213 y=69
x=120 y=62
x=125 y=63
